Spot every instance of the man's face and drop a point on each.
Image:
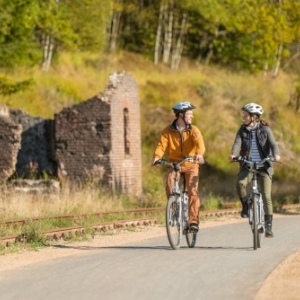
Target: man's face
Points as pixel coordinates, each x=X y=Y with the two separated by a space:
x=188 y=117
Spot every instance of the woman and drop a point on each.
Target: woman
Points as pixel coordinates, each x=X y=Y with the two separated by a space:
x=255 y=141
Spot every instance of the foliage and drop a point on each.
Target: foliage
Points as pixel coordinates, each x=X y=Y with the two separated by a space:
x=8 y=86
x=245 y=34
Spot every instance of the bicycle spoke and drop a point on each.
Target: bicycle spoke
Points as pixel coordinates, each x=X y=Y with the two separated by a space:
x=174 y=223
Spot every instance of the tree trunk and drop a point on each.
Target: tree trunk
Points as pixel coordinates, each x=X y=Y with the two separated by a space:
x=157 y=50
x=278 y=61
x=266 y=66
x=176 y=55
x=169 y=16
x=114 y=29
x=48 y=43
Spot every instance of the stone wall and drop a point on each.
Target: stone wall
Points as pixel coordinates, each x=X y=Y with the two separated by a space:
x=10 y=143
x=101 y=138
x=97 y=140
x=83 y=142
x=36 y=155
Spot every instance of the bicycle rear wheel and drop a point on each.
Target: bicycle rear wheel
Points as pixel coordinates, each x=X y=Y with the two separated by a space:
x=191 y=239
x=256 y=236
x=174 y=222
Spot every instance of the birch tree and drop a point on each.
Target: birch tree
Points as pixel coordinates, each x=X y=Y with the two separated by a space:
x=178 y=47
x=114 y=28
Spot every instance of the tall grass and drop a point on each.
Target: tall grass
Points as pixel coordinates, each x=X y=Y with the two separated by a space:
x=217 y=93
x=16 y=205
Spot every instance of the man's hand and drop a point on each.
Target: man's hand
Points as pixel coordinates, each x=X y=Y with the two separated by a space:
x=199 y=158
x=155 y=159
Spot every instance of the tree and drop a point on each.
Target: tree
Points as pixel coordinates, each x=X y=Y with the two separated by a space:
x=17 y=42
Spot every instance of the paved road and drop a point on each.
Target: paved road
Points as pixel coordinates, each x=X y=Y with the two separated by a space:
x=222 y=266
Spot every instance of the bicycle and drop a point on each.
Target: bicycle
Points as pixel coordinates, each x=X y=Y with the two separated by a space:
x=256 y=213
x=177 y=208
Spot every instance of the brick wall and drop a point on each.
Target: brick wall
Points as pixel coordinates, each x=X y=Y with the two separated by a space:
x=126 y=135
x=101 y=139
x=36 y=154
x=98 y=139
x=10 y=143
x=83 y=141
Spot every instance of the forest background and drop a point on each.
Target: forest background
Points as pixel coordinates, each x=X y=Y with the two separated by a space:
x=218 y=54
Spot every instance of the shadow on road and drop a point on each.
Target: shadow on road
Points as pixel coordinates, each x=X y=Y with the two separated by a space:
x=90 y=248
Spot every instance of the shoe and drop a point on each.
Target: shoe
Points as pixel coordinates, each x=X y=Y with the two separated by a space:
x=244 y=212
x=193 y=228
x=268 y=222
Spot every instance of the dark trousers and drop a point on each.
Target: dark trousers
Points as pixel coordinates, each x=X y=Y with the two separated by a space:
x=264 y=181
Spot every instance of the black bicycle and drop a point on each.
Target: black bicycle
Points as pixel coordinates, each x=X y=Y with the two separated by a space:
x=177 y=208
x=256 y=213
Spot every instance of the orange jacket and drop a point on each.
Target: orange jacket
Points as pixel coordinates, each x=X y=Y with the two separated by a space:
x=178 y=145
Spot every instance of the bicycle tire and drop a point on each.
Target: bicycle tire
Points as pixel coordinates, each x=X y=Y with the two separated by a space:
x=256 y=240
x=191 y=239
x=174 y=222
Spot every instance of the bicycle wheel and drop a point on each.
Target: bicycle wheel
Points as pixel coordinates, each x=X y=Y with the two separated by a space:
x=191 y=239
x=258 y=239
x=174 y=222
x=256 y=236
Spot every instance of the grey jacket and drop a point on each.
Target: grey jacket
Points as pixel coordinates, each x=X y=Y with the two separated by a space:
x=266 y=143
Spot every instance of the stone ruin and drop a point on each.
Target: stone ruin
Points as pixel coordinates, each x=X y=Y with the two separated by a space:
x=97 y=140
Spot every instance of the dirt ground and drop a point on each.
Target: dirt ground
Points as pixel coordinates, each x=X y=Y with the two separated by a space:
x=282 y=283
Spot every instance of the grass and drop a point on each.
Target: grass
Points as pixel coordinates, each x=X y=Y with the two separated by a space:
x=218 y=95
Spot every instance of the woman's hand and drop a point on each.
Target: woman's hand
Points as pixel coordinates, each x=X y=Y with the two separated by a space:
x=231 y=157
x=277 y=157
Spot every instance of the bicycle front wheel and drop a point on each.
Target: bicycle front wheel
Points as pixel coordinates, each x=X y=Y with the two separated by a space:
x=256 y=236
x=191 y=239
x=174 y=222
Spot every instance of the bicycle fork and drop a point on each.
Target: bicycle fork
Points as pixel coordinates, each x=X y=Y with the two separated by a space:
x=260 y=211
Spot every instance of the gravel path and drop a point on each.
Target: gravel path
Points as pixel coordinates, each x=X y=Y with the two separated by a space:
x=282 y=283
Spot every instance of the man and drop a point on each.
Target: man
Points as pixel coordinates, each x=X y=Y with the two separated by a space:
x=178 y=140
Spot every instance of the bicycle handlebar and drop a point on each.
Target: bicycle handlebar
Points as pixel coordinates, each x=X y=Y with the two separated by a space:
x=175 y=165
x=251 y=164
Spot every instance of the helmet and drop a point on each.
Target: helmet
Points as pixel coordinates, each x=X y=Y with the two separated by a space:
x=253 y=108
x=182 y=106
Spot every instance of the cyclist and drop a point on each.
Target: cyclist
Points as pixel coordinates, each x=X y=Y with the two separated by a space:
x=255 y=141
x=178 y=140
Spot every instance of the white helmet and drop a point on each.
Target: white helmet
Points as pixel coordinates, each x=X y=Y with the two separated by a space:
x=182 y=106
x=253 y=108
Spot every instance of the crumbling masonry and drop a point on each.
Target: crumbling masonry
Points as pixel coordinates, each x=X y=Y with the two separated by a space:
x=98 y=139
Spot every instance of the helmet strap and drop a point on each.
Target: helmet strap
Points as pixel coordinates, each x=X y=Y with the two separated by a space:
x=183 y=117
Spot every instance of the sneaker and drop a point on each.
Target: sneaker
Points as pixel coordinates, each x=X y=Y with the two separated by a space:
x=193 y=228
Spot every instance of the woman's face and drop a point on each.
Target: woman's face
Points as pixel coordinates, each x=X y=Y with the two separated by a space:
x=247 y=119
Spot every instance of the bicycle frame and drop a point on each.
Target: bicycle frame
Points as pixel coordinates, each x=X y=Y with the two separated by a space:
x=254 y=200
x=177 y=208
x=256 y=210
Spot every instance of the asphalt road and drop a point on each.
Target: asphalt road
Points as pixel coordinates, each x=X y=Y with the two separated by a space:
x=223 y=265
